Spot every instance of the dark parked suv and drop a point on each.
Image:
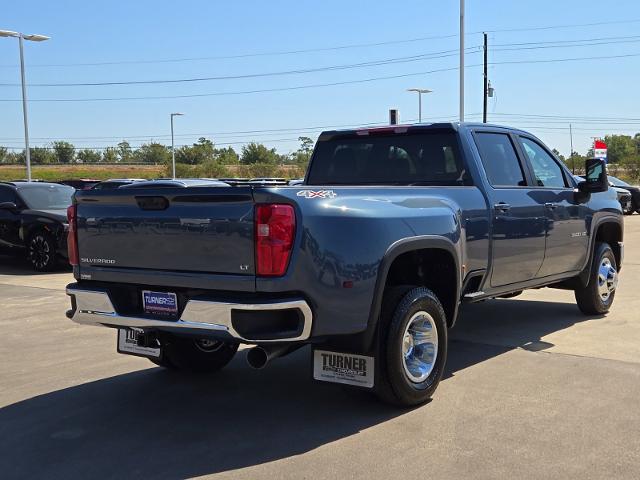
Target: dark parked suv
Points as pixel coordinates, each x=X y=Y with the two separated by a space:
x=33 y=219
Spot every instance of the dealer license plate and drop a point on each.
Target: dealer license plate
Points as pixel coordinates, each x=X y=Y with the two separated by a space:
x=163 y=303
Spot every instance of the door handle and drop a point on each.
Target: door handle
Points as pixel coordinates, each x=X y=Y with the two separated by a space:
x=502 y=207
x=551 y=206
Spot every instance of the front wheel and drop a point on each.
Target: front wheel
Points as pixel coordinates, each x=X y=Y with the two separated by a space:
x=412 y=348
x=196 y=354
x=597 y=297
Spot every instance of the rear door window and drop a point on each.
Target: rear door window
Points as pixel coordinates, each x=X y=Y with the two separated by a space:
x=388 y=159
x=500 y=160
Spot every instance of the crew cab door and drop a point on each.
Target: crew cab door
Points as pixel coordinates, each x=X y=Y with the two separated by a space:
x=566 y=243
x=518 y=220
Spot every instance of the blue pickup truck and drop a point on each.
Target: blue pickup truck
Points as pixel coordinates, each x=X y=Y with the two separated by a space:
x=367 y=260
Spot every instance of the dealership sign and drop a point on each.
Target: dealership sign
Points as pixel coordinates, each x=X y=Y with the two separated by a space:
x=600 y=150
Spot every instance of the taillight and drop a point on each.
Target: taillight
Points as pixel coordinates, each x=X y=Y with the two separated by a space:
x=275 y=227
x=72 y=235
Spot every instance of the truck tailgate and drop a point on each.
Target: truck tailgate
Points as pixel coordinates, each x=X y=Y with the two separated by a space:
x=203 y=229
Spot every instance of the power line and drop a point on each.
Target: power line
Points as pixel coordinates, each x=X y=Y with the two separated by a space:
x=318 y=85
x=242 y=92
x=325 y=49
x=373 y=63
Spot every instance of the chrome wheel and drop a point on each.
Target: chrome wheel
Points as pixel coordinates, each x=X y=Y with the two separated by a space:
x=207 y=345
x=419 y=347
x=39 y=252
x=607 y=279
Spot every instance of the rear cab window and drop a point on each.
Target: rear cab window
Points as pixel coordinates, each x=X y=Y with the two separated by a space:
x=412 y=158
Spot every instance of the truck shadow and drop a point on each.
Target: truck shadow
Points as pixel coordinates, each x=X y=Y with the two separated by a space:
x=17 y=264
x=157 y=424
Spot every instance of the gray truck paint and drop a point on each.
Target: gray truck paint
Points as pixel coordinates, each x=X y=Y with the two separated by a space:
x=204 y=239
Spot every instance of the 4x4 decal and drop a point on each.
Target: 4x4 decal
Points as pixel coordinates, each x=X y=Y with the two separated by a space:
x=317 y=194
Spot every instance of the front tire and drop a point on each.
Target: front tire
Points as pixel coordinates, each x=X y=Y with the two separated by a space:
x=597 y=297
x=41 y=251
x=196 y=355
x=412 y=349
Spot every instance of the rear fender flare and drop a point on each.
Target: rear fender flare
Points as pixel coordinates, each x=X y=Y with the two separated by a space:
x=399 y=247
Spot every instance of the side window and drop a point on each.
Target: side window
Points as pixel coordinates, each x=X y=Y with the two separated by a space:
x=500 y=160
x=546 y=170
x=7 y=195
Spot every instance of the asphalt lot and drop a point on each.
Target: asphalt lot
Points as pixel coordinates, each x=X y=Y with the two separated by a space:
x=533 y=389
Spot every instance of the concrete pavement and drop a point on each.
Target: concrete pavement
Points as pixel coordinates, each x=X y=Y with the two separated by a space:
x=533 y=389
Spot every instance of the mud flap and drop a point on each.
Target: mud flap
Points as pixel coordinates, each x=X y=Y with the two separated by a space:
x=343 y=367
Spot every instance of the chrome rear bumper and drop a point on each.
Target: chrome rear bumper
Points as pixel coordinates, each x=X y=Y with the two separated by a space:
x=94 y=307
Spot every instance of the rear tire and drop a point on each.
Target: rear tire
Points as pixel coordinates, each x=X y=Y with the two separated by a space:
x=196 y=355
x=412 y=347
x=597 y=297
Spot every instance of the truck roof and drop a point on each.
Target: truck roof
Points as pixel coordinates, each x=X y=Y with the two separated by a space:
x=400 y=129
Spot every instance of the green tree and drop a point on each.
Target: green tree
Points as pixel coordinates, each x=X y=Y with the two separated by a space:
x=4 y=155
x=124 y=152
x=557 y=153
x=152 y=152
x=198 y=153
x=86 y=155
x=64 y=152
x=110 y=155
x=226 y=156
x=620 y=148
x=41 y=156
x=302 y=156
x=253 y=153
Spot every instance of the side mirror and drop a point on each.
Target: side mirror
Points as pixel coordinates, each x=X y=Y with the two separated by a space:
x=8 y=206
x=596 y=177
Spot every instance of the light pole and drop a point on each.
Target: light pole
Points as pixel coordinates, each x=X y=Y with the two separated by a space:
x=173 y=148
x=462 y=60
x=33 y=38
x=419 y=91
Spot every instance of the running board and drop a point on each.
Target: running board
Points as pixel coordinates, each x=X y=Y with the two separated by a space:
x=473 y=296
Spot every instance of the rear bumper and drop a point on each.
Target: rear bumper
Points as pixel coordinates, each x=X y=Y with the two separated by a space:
x=94 y=307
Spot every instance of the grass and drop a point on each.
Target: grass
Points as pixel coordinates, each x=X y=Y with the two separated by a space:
x=54 y=173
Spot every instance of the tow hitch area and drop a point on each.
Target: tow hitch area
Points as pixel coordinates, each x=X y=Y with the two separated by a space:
x=341 y=367
x=139 y=343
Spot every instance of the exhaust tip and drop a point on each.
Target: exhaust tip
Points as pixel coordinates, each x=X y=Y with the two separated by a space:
x=257 y=358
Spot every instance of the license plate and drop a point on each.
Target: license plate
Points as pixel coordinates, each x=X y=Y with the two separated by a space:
x=128 y=344
x=163 y=303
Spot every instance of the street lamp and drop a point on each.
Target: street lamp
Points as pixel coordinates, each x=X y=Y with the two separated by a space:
x=173 y=149
x=419 y=91
x=32 y=38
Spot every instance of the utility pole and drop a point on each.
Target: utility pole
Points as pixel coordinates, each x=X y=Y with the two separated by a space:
x=486 y=80
x=573 y=164
x=173 y=148
x=462 y=60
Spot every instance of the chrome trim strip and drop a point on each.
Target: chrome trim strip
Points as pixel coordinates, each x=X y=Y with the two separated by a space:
x=94 y=307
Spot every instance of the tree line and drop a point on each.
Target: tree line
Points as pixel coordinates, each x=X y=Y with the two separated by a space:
x=201 y=159
x=623 y=156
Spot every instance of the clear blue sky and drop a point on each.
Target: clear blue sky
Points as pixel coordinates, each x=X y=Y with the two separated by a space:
x=117 y=31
